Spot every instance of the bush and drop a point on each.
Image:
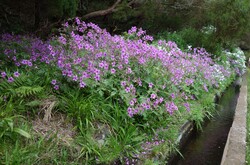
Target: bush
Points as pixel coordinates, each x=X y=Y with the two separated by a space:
x=190 y=37
x=230 y=18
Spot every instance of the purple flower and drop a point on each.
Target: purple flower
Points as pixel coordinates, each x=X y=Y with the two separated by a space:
x=62 y=40
x=10 y=79
x=53 y=82
x=148 y=106
x=97 y=78
x=129 y=71
x=141 y=32
x=66 y=24
x=56 y=87
x=101 y=64
x=139 y=82
x=30 y=63
x=113 y=71
x=130 y=112
x=24 y=62
x=17 y=63
x=82 y=84
x=14 y=58
x=3 y=74
x=161 y=100
x=186 y=105
x=69 y=74
x=205 y=87
x=123 y=83
x=134 y=99
x=106 y=66
x=132 y=30
x=153 y=96
x=16 y=74
x=171 y=107
x=150 y=85
x=75 y=78
x=172 y=95
x=132 y=103
x=127 y=89
x=84 y=75
x=156 y=103
x=64 y=72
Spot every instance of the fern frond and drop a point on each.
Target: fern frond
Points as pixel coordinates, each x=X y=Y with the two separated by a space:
x=25 y=91
x=23 y=86
x=6 y=89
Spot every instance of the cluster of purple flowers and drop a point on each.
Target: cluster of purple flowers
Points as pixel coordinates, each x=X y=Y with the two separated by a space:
x=10 y=79
x=148 y=146
x=88 y=55
x=55 y=84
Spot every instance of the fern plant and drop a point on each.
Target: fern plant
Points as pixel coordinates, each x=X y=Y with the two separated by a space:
x=21 y=87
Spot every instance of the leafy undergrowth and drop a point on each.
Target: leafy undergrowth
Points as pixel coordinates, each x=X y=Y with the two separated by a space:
x=87 y=97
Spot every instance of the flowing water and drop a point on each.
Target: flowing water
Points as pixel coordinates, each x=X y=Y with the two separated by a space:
x=206 y=147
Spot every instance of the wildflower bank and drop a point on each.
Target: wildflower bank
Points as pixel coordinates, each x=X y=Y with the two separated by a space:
x=154 y=82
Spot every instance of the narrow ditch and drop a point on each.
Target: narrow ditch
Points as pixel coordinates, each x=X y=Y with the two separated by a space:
x=206 y=147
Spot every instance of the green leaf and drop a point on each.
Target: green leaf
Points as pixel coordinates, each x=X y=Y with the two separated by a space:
x=10 y=123
x=33 y=103
x=22 y=132
x=101 y=93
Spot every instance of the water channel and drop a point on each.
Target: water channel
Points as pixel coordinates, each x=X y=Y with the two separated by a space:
x=206 y=147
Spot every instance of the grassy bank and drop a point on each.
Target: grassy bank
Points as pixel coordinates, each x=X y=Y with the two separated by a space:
x=87 y=97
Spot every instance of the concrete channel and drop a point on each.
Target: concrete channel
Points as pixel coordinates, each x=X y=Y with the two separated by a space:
x=235 y=149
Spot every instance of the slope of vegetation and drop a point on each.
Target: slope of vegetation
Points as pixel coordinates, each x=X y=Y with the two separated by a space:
x=89 y=97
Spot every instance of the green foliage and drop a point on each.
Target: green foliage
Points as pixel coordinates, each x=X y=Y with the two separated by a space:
x=231 y=18
x=60 y=8
x=38 y=151
x=105 y=132
x=8 y=121
x=193 y=38
x=20 y=88
x=197 y=115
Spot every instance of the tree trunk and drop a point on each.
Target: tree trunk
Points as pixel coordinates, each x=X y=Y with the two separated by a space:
x=102 y=12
